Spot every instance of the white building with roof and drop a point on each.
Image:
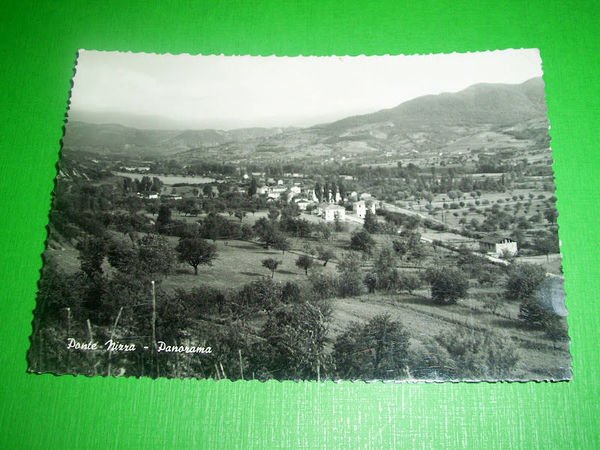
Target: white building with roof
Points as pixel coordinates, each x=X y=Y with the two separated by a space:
x=498 y=246
x=330 y=212
x=361 y=207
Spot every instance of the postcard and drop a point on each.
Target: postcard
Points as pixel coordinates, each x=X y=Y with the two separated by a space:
x=374 y=218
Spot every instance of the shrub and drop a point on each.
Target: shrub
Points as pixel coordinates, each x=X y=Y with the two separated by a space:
x=370 y=281
x=409 y=282
x=362 y=241
x=350 y=275
x=375 y=350
x=323 y=285
x=523 y=280
x=263 y=294
x=478 y=355
x=293 y=345
x=447 y=284
x=533 y=313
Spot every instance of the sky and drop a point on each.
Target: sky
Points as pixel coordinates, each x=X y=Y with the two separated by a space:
x=146 y=90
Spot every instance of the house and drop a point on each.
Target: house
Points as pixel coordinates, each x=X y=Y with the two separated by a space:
x=498 y=246
x=172 y=197
x=360 y=208
x=330 y=212
x=148 y=195
x=303 y=204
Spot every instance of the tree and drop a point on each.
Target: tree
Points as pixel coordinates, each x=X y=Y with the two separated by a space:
x=271 y=264
x=411 y=223
x=253 y=187
x=376 y=350
x=384 y=268
x=319 y=192
x=247 y=232
x=447 y=284
x=409 y=282
x=156 y=184
x=341 y=189
x=533 y=313
x=163 y=219
x=240 y=214
x=370 y=281
x=121 y=256
x=428 y=196
x=293 y=342
x=266 y=231
x=470 y=353
x=325 y=254
x=92 y=251
x=323 y=231
x=547 y=244
x=370 y=223
x=282 y=244
x=305 y=262
x=273 y=214
x=362 y=241
x=196 y=251
x=211 y=227
x=334 y=190
x=523 y=280
x=189 y=207
x=551 y=214
x=151 y=207
x=350 y=279
x=155 y=255
x=400 y=247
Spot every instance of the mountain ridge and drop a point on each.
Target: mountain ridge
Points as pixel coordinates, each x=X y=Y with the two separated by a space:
x=438 y=118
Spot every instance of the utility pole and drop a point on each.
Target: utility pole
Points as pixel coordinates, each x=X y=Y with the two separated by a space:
x=154 y=359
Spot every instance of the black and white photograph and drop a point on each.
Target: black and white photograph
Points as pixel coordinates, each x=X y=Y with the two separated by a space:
x=361 y=218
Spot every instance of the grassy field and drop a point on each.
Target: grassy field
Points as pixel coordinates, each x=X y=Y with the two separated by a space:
x=238 y=263
x=539 y=357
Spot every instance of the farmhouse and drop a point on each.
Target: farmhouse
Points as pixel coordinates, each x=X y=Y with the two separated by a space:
x=360 y=208
x=303 y=204
x=498 y=245
x=148 y=195
x=169 y=197
x=330 y=212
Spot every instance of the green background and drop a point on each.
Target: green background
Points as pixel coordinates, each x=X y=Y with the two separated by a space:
x=38 y=44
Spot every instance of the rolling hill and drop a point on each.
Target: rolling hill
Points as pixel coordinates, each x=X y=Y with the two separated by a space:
x=428 y=123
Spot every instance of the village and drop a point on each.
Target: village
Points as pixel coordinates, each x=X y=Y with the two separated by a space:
x=330 y=207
